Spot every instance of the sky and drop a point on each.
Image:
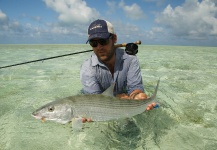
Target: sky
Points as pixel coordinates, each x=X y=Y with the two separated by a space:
x=154 y=22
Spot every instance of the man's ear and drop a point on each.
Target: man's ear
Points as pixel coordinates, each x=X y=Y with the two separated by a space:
x=115 y=38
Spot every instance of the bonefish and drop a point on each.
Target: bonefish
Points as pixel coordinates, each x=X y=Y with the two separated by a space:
x=97 y=107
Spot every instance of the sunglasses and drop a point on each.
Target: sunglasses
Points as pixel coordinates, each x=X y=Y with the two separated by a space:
x=94 y=43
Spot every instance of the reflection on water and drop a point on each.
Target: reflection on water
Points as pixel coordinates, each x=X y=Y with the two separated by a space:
x=187 y=95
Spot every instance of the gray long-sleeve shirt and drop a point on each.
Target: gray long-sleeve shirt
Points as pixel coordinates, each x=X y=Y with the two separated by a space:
x=96 y=77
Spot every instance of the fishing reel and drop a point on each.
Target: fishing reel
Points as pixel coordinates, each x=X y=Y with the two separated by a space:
x=131 y=48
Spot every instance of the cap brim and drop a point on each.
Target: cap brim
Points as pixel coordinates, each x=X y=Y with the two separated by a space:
x=98 y=35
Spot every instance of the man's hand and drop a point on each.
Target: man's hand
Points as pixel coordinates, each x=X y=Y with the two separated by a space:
x=143 y=96
x=151 y=106
x=86 y=120
x=137 y=95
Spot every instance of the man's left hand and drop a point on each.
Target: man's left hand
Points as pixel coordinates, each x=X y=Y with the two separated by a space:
x=143 y=96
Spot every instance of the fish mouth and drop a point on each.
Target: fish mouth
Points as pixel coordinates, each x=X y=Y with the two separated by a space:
x=35 y=115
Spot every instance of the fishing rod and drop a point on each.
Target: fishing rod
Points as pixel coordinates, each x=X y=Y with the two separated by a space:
x=131 y=49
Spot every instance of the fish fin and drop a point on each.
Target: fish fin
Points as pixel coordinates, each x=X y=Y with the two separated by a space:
x=109 y=91
x=155 y=92
x=77 y=124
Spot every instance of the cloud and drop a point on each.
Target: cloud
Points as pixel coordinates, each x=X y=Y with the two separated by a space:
x=3 y=20
x=112 y=6
x=195 y=20
x=214 y=1
x=128 y=32
x=73 y=11
x=133 y=12
x=13 y=31
x=9 y=26
x=158 y=2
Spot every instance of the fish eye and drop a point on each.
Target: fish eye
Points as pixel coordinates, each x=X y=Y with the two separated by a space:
x=51 y=108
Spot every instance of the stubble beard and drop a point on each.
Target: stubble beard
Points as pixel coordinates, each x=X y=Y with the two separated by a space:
x=107 y=56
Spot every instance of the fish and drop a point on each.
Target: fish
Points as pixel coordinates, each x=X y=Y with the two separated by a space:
x=97 y=107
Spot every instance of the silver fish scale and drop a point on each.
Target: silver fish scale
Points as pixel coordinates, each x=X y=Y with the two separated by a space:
x=103 y=108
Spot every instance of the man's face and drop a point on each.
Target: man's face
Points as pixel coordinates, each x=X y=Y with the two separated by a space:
x=107 y=51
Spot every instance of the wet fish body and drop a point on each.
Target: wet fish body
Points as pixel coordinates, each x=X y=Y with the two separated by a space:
x=97 y=107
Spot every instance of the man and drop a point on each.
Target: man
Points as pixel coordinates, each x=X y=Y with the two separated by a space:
x=109 y=64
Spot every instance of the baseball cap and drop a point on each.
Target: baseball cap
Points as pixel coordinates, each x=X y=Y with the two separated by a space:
x=100 y=29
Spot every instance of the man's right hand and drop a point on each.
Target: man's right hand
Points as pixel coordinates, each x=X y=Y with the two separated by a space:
x=86 y=120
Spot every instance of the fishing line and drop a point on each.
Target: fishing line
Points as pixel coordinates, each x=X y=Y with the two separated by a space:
x=131 y=49
x=27 y=62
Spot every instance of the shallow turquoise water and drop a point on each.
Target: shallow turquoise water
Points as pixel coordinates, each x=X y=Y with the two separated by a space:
x=187 y=95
